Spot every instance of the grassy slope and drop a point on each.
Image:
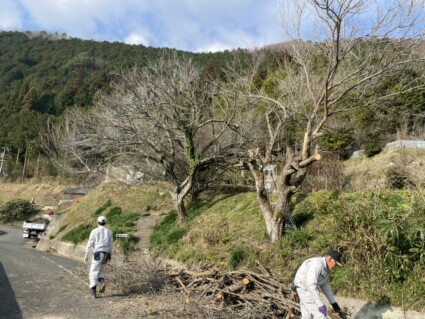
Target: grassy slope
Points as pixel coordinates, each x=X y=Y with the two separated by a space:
x=107 y=198
x=369 y=173
x=228 y=230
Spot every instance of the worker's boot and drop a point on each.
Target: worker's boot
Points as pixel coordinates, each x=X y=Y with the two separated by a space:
x=93 y=291
x=102 y=285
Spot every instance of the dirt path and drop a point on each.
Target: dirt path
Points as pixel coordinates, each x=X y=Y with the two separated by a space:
x=145 y=228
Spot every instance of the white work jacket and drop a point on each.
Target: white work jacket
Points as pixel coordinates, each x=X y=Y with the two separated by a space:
x=312 y=274
x=100 y=240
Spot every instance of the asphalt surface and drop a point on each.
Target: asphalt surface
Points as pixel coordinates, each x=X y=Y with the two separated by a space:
x=36 y=285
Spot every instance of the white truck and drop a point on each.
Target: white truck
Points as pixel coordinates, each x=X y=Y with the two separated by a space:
x=34 y=229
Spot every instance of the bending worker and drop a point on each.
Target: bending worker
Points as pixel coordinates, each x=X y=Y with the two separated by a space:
x=312 y=274
x=100 y=241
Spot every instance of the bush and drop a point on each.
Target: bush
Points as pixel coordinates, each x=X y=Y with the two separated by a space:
x=299 y=237
x=237 y=256
x=16 y=209
x=397 y=178
x=128 y=244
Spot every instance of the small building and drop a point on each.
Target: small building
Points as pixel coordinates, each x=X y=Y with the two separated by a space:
x=74 y=193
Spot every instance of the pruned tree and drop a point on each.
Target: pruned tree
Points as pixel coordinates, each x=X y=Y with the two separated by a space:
x=336 y=51
x=169 y=120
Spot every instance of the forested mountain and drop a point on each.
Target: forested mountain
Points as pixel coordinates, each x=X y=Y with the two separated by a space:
x=43 y=74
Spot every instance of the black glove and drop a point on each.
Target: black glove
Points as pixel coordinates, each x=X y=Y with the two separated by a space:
x=336 y=308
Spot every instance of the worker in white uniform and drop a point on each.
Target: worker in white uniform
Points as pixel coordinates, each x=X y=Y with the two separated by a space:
x=100 y=242
x=312 y=275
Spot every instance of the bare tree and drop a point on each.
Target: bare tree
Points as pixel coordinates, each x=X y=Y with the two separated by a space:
x=336 y=53
x=169 y=120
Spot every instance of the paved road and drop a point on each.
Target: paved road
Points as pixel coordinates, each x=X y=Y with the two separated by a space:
x=36 y=285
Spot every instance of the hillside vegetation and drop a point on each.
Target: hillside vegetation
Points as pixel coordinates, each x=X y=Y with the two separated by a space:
x=183 y=124
x=381 y=232
x=43 y=193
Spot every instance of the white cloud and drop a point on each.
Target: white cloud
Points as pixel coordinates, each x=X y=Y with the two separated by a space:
x=136 y=38
x=10 y=15
x=214 y=47
x=182 y=24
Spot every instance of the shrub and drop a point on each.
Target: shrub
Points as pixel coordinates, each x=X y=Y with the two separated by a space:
x=128 y=244
x=327 y=174
x=299 y=237
x=397 y=178
x=237 y=256
x=16 y=209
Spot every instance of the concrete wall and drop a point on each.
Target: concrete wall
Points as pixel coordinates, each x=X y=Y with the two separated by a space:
x=57 y=247
x=68 y=250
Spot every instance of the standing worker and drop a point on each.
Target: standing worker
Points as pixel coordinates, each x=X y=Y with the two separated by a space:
x=312 y=274
x=100 y=241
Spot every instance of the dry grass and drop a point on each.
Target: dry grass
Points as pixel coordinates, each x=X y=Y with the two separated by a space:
x=133 y=279
x=141 y=285
x=369 y=173
x=44 y=194
x=143 y=276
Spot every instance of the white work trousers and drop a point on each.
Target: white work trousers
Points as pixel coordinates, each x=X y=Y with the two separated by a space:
x=96 y=270
x=309 y=309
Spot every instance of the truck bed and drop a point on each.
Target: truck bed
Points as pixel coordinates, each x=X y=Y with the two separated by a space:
x=35 y=226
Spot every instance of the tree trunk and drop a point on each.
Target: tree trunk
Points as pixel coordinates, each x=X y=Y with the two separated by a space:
x=179 y=194
x=276 y=229
x=37 y=168
x=25 y=164
x=273 y=218
x=181 y=210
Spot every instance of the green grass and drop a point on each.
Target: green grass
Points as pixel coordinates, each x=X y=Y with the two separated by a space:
x=102 y=208
x=118 y=221
x=167 y=232
x=78 y=234
x=122 y=206
x=381 y=258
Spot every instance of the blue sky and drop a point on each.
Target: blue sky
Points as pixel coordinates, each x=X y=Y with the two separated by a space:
x=192 y=25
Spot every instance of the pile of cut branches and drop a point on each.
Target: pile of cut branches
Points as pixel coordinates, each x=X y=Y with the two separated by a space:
x=244 y=292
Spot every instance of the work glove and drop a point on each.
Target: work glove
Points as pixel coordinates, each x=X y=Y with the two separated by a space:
x=86 y=258
x=336 y=307
x=322 y=309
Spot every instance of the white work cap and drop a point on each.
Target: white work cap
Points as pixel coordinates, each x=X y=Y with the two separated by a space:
x=101 y=219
